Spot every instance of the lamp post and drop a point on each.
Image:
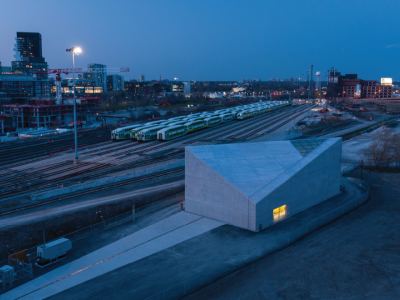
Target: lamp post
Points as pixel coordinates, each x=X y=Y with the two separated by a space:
x=309 y=91
x=75 y=50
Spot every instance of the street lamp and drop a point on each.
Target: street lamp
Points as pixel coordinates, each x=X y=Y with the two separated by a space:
x=75 y=50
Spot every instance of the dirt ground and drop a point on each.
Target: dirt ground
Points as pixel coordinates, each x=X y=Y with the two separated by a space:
x=356 y=257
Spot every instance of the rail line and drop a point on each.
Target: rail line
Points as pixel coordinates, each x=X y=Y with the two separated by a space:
x=86 y=192
x=245 y=126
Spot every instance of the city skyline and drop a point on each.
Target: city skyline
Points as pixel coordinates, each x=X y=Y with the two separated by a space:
x=213 y=41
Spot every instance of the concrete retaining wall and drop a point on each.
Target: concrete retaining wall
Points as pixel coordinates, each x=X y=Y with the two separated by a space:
x=101 y=182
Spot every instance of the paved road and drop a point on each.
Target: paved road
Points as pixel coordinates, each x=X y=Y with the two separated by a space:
x=356 y=257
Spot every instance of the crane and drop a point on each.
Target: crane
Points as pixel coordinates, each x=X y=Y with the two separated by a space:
x=67 y=71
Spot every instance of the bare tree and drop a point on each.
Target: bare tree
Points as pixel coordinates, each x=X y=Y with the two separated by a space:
x=396 y=149
x=382 y=149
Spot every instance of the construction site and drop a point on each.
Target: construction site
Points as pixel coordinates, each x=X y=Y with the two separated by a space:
x=47 y=113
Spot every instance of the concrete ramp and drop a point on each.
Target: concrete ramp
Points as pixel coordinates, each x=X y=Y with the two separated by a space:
x=157 y=237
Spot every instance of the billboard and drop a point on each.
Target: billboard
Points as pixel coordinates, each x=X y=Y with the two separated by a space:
x=386 y=81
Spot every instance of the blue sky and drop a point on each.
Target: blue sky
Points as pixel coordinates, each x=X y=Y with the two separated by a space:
x=213 y=40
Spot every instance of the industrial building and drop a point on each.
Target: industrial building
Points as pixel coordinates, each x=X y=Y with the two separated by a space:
x=350 y=87
x=254 y=185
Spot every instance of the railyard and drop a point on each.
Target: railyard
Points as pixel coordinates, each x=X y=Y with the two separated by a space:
x=44 y=191
x=37 y=171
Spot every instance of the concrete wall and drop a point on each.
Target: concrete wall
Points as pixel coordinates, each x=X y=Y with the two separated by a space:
x=310 y=181
x=210 y=195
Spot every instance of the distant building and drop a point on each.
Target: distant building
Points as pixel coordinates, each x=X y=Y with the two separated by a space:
x=146 y=88
x=115 y=83
x=97 y=73
x=354 y=88
x=141 y=78
x=6 y=70
x=177 y=88
x=28 y=54
x=186 y=88
x=19 y=87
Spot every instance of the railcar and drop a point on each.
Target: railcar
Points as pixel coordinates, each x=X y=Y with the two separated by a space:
x=134 y=131
x=244 y=114
x=149 y=134
x=154 y=122
x=196 y=125
x=171 y=132
x=122 y=133
x=213 y=121
x=227 y=117
x=255 y=112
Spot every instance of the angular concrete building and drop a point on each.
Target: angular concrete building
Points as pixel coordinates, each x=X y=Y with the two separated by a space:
x=254 y=185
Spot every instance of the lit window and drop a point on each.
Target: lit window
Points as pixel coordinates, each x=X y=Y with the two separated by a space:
x=279 y=213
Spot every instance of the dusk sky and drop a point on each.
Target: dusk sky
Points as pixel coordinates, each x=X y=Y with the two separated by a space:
x=212 y=40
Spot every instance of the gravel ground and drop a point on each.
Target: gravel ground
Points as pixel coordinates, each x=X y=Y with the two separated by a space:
x=356 y=257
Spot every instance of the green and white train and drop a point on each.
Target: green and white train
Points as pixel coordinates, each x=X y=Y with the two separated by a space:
x=179 y=126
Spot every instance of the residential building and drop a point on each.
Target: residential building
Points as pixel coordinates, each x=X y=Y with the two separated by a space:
x=28 y=54
x=96 y=73
x=115 y=83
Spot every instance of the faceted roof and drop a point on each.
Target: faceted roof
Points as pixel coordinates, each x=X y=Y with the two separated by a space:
x=306 y=146
x=250 y=167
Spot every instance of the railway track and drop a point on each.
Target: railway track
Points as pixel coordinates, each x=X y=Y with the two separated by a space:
x=211 y=132
x=24 y=188
x=285 y=121
x=39 y=149
x=86 y=192
x=217 y=132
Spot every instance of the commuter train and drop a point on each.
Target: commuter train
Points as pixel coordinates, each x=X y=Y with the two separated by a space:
x=179 y=126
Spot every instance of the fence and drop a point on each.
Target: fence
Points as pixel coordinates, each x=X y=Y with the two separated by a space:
x=99 y=227
x=202 y=279
x=78 y=234
x=366 y=163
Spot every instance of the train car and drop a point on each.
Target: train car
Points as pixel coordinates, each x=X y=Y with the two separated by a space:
x=154 y=122
x=255 y=112
x=172 y=120
x=227 y=117
x=149 y=134
x=213 y=121
x=122 y=133
x=196 y=125
x=134 y=131
x=244 y=114
x=263 y=110
x=171 y=132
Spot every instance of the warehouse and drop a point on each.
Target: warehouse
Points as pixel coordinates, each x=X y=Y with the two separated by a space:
x=254 y=185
